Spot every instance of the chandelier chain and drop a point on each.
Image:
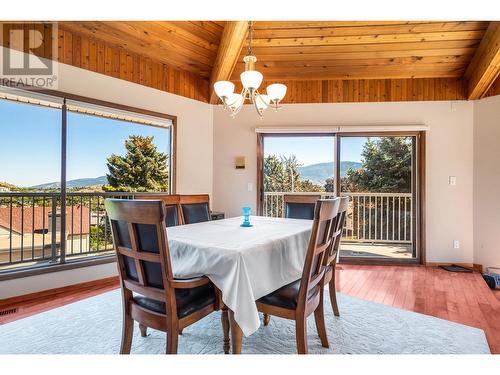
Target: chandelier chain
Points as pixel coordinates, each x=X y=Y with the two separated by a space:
x=250 y=37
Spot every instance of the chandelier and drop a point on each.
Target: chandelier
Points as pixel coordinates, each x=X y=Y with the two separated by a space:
x=251 y=80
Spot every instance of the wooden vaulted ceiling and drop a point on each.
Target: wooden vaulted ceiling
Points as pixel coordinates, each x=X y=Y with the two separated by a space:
x=319 y=61
x=186 y=45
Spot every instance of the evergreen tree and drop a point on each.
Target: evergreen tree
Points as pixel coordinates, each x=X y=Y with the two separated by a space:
x=291 y=166
x=386 y=167
x=143 y=168
x=275 y=177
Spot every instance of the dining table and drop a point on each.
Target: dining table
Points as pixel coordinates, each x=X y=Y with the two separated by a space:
x=244 y=263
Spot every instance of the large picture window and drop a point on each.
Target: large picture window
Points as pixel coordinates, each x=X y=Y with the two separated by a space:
x=62 y=159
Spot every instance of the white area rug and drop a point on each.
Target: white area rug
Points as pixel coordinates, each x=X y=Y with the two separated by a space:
x=93 y=326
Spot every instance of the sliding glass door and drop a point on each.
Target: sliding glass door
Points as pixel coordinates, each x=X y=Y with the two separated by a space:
x=379 y=178
x=378 y=172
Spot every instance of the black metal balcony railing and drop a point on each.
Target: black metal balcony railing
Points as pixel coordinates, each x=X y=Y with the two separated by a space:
x=31 y=233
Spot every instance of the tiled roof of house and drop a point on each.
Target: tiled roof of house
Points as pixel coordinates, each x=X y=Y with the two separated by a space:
x=25 y=220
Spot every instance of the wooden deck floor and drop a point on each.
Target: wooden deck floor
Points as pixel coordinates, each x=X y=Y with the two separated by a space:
x=459 y=297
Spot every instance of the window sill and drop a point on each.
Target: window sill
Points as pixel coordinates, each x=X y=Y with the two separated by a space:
x=34 y=271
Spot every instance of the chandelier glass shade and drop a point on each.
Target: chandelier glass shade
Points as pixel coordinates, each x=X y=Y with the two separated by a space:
x=251 y=80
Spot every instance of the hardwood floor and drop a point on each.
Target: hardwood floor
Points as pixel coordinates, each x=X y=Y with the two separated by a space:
x=40 y=302
x=458 y=297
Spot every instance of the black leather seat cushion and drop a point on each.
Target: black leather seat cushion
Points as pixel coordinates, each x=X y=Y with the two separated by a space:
x=286 y=296
x=188 y=300
x=300 y=211
x=195 y=213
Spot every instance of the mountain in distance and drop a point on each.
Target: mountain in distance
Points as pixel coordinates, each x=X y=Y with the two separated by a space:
x=79 y=182
x=320 y=172
x=315 y=172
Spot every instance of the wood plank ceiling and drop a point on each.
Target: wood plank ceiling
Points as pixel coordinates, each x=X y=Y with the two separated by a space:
x=319 y=61
x=373 y=50
x=186 y=45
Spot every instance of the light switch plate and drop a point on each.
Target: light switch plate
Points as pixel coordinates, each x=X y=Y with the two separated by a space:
x=452 y=180
x=250 y=186
x=456 y=244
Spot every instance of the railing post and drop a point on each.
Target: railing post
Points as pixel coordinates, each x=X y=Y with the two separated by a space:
x=53 y=225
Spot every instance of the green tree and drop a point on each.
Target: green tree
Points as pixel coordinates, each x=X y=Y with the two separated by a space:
x=100 y=237
x=308 y=186
x=386 y=167
x=143 y=168
x=275 y=177
x=291 y=166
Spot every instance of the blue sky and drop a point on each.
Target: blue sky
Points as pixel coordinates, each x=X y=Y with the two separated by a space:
x=30 y=143
x=312 y=150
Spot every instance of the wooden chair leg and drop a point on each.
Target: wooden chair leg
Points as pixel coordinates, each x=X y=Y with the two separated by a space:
x=333 y=295
x=144 y=330
x=225 y=329
x=319 y=317
x=301 y=335
x=267 y=319
x=172 y=341
x=127 y=334
x=236 y=334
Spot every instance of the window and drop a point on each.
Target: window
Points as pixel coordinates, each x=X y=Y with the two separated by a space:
x=58 y=155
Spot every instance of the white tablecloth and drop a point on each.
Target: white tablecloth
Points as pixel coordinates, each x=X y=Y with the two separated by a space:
x=244 y=263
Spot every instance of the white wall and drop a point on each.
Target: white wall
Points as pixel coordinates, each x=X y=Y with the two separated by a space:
x=487 y=181
x=194 y=155
x=449 y=153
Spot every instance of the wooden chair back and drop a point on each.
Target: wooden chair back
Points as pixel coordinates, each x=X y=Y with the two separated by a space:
x=140 y=240
x=300 y=206
x=173 y=216
x=195 y=208
x=338 y=227
x=322 y=237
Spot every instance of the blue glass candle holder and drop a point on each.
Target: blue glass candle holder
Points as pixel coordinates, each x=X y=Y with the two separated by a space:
x=246 y=217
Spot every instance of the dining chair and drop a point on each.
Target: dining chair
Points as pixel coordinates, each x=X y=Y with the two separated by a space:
x=300 y=206
x=297 y=206
x=299 y=299
x=195 y=208
x=172 y=207
x=331 y=257
x=150 y=293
